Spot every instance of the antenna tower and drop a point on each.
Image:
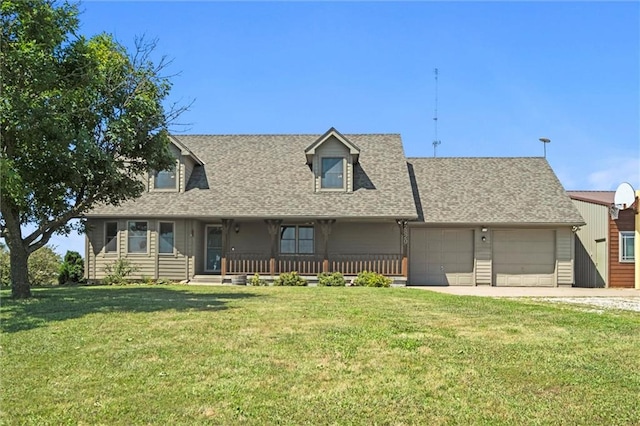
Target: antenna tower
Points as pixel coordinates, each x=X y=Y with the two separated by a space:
x=436 y=141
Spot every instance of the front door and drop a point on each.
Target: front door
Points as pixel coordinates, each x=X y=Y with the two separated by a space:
x=213 y=248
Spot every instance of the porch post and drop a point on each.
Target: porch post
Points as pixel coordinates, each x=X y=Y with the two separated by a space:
x=273 y=226
x=325 y=228
x=226 y=227
x=402 y=224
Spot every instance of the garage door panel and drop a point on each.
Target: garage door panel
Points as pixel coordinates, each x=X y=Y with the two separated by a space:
x=442 y=257
x=524 y=257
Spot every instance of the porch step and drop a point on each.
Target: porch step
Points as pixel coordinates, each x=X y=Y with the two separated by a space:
x=206 y=279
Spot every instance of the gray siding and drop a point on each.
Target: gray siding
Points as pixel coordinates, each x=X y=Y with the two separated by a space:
x=333 y=148
x=564 y=256
x=484 y=270
x=176 y=266
x=363 y=238
x=591 y=246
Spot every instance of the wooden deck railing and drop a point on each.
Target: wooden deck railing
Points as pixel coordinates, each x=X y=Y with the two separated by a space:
x=351 y=264
x=347 y=264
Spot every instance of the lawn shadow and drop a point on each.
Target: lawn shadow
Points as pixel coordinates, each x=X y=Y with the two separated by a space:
x=63 y=303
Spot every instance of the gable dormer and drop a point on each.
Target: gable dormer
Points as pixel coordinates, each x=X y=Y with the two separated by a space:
x=176 y=178
x=331 y=157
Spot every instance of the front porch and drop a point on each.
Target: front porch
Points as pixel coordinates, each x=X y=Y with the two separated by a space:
x=228 y=249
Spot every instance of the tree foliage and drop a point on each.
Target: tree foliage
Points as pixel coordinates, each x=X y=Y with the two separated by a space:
x=81 y=121
x=44 y=265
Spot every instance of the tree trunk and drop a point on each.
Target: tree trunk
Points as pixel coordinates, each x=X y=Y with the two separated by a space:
x=20 y=288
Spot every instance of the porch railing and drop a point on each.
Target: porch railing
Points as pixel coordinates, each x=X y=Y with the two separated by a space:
x=347 y=264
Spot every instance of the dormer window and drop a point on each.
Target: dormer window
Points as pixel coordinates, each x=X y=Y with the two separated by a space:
x=332 y=174
x=332 y=158
x=165 y=179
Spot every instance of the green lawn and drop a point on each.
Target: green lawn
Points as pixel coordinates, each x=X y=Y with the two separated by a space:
x=267 y=355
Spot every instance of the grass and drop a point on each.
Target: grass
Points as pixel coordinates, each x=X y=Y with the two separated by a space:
x=236 y=355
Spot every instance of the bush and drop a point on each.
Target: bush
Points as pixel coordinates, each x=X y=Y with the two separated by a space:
x=290 y=279
x=371 y=279
x=331 y=280
x=72 y=269
x=44 y=265
x=118 y=271
x=255 y=280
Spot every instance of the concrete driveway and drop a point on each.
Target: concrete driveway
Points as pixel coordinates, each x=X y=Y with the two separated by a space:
x=489 y=291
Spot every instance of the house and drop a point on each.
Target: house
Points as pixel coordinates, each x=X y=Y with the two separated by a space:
x=267 y=204
x=605 y=246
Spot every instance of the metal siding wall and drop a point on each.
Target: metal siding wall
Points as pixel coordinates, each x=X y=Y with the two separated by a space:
x=588 y=271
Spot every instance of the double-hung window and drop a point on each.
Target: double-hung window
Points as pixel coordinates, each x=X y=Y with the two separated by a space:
x=627 y=248
x=111 y=237
x=137 y=238
x=296 y=239
x=332 y=173
x=165 y=240
x=165 y=179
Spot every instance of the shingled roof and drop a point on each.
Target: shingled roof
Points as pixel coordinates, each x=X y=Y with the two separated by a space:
x=490 y=191
x=266 y=176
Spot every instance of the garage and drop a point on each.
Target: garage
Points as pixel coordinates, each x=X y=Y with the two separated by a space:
x=524 y=257
x=441 y=257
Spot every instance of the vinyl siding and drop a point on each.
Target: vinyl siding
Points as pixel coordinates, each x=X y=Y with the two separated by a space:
x=483 y=257
x=363 y=238
x=591 y=245
x=564 y=256
x=148 y=265
x=187 y=169
x=332 y=148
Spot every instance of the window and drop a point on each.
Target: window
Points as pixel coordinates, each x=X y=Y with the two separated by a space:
x=111 y=237
x=627 y=249
x=332 y=174
x=165 y=244
x=296 y=239
x=137 y=237
x=165 y=179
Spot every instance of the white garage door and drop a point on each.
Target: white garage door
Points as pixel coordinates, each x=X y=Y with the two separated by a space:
x=441 y=257
x=524 y=258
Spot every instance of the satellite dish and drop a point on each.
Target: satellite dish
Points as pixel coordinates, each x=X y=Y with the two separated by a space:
x=625 y=196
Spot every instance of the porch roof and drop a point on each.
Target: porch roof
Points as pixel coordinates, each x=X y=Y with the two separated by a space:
x=266 y=176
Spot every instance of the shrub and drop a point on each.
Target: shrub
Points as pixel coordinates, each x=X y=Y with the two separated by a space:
x=371 y=279
x=255 y=280
x=290 y=279
x=331 y=280
x=72 y=269
x=44 y=265
x=118 y=271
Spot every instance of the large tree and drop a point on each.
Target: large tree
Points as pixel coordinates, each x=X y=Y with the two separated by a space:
x=81 y=121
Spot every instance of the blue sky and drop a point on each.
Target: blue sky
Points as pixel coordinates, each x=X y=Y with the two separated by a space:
x=509 y=73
